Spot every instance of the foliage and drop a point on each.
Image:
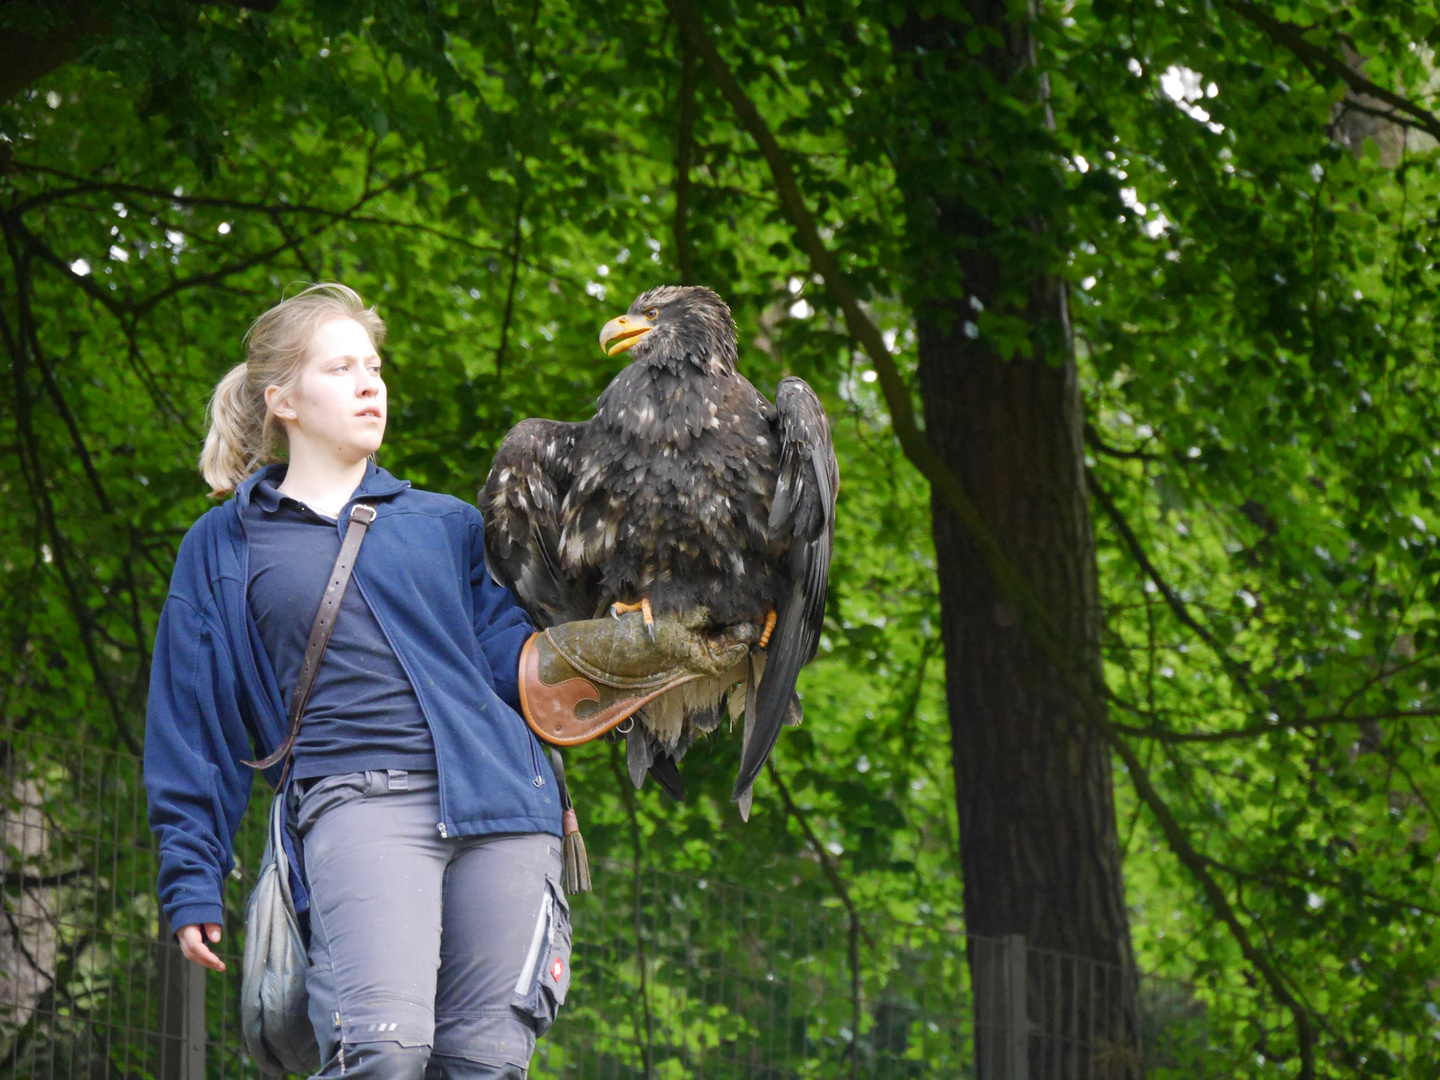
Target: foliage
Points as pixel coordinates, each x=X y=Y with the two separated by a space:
x=1250 y=258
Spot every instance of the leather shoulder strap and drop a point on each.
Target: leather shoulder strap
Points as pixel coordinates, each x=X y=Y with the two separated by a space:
x=361 y=515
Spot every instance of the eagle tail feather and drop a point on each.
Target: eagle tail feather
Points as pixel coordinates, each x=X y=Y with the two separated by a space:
x=667 y=775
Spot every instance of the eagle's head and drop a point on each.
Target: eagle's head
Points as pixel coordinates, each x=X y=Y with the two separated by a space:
x=672 y=324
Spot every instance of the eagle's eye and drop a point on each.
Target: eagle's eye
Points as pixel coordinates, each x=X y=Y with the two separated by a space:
x=652 y=314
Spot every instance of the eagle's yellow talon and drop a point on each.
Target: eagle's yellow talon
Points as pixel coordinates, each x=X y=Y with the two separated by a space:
x=617 y=609
x=770 y=617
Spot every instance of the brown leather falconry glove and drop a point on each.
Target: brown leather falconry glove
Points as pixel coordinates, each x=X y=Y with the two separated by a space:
x=580 y=679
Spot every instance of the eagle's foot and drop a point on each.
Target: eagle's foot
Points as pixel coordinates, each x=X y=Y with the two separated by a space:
x=617 y=609
x=770 y=617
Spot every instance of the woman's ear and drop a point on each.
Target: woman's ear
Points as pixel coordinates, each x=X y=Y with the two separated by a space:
x=280 y=406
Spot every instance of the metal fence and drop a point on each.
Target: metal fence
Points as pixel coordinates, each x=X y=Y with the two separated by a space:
x=674 y=976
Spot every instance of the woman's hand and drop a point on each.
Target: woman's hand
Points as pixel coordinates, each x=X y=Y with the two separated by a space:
x=192 y=944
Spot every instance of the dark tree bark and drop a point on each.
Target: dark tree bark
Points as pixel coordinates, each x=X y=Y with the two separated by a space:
x=26 y=56
x=1039 y=851
x=68 y=28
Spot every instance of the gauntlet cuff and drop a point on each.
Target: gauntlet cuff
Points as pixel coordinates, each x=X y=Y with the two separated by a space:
x=566 y=705
x=580 y=679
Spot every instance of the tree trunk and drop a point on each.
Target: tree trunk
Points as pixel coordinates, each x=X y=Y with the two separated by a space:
x=1039 y=852
x=26 y=56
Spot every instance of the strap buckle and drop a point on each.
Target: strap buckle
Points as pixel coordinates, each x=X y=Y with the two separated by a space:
x=363 y=513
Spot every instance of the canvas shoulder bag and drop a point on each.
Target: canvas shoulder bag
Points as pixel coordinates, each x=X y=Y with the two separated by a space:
x=274 y=1006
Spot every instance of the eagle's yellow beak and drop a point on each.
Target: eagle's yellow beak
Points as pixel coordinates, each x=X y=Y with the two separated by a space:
x=617 y=335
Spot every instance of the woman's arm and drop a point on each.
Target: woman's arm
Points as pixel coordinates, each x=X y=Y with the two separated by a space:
x=501 y=625
x=195 y=743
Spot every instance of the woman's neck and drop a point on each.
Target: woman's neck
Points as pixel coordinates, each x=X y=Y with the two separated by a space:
x=325 y=487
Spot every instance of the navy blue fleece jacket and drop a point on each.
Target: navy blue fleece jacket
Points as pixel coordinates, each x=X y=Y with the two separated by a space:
x=215 y=702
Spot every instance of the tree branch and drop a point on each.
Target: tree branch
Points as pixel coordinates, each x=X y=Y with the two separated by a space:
x=857 y=928
x=827 y=864
x=1252 y=731
x=509 y=312
x=77 y=440
x=26 y=57
x=82 y=450
x=17 y=344
x=20 y=879
x=684 y=151
x=139 y=308
x=84 y=186
x=1177 y=606
x=1195 y=862
x=1309 y=879
x=1100 y=446
x=1292 y=37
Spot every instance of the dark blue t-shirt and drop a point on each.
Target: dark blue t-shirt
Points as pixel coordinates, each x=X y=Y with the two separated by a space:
x=363 y=712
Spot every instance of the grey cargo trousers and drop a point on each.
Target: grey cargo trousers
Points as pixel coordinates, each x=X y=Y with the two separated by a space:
x=429 y=957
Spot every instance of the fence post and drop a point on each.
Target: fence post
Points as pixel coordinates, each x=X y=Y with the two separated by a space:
x=182 y=1012
x=1002 y=1021
x=194 y=1022
x=1016 y=1033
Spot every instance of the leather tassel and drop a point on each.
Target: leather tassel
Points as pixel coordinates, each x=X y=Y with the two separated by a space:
x=575 y=873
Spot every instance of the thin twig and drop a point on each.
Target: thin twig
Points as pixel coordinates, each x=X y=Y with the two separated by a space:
x=1132 y=544
x=1308 y=878
x=827 y=864
x=1220 y=904
x=857 y=928
x=142 y=306
x=510 y=292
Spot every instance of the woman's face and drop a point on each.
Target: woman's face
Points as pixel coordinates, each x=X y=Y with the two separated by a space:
x=339 y=406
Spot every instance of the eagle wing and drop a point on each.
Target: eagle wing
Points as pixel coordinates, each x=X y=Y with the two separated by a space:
x=521 y=503
x=802 y=513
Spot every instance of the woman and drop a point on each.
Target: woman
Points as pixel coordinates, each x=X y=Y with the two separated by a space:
x=424 y=815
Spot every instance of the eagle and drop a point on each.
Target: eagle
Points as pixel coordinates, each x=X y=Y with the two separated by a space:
x=687 y=494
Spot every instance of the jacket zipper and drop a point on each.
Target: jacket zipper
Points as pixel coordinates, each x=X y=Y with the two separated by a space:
x=539 y=780
x=414 y=685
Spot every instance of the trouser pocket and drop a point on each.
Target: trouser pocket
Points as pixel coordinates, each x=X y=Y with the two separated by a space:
x=328 y=793
x=545 y=975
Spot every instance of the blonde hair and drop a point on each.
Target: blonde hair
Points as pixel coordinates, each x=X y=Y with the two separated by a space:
x=243 y=433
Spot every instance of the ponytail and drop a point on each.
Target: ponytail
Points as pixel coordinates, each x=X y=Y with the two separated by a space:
x=236 y=417
x=243 y=433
